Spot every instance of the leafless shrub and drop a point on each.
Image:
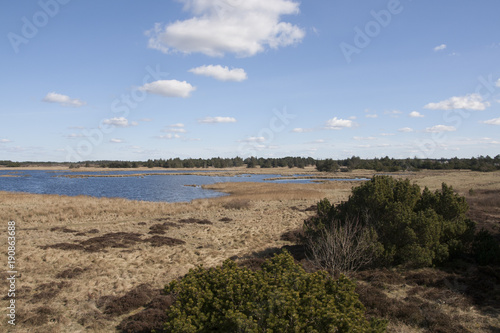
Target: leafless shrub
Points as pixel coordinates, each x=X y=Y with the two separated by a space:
x=342 y=247
x=238 y=204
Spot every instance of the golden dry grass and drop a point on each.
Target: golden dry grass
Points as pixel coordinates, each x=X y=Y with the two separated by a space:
x=259 y=214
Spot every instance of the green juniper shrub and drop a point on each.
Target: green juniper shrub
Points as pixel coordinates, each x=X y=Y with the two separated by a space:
x=485 y=248
x=281 y=297
x=413 y=227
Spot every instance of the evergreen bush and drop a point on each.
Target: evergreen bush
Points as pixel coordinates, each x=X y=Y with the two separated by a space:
x=281 y=297
x=413 y=227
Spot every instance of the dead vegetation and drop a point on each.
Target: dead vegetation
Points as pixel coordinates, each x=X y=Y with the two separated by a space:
x=122 y=240
x=111 y=249
x=485 y=209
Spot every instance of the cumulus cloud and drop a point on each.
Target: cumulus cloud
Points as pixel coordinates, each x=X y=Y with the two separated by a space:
x=337 y=123
x=253 y=139
x=221 y=73
x=302 y=130
x=119 y=122
x=393 y=113
x=169 y=136
x=440 y=128
x=215 y=120
x=494 y=121
x=405 y=130
x=116 y=141
x=176 y=125
x=244 y=28
x=416 y=114
x=5 y=141
x=440 y=47
x=74 y=136
x=63 y=100
x=371 y=116
x=469 y=102
x=169 y=88
x=174 y=130
x=498 y=83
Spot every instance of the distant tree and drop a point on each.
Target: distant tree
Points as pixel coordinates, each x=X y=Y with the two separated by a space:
x=327 y=165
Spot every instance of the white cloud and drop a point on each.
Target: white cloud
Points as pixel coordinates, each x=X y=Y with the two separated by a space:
x=362 y=138
x=221 y=73
x=470 y=102
x=169 y=136
x=440 y=128
x=416 y=114
x=119 y=122
x=337 y=123
x=116 y=141
x=494 y=121
x=169 y=88
x=175 y=130
x=319 y=141
x=244 y=28
x=387 y=134
x=254 y=139
x=405 y=130
x=440 y=47
x=146 y=119
x=498 y=83
x=176 y=125
x=371 y=116
x=393 y=113
x=74 y=136
x=215 y=120
x=5 y=141
x=63 y=100
x=302 y=130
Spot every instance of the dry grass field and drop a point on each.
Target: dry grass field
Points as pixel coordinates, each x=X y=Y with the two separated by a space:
x=86 y=264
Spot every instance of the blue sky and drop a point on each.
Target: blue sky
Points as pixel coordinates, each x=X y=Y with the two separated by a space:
x=130 y=80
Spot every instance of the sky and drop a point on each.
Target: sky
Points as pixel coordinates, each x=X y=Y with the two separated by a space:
x=138 y=80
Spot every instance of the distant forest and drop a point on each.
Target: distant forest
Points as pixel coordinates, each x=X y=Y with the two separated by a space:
x=481 y=163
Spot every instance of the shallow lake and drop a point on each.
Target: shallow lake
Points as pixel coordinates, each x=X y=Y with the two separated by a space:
x=144 y=185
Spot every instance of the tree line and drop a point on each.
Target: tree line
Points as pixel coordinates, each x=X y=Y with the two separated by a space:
x=385 y=164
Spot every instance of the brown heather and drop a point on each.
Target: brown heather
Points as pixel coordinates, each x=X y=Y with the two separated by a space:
x=121 y=251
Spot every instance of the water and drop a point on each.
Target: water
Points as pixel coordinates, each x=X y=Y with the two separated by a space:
x=146 y=187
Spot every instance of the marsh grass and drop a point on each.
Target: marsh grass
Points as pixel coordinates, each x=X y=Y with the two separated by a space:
x=72 y=281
